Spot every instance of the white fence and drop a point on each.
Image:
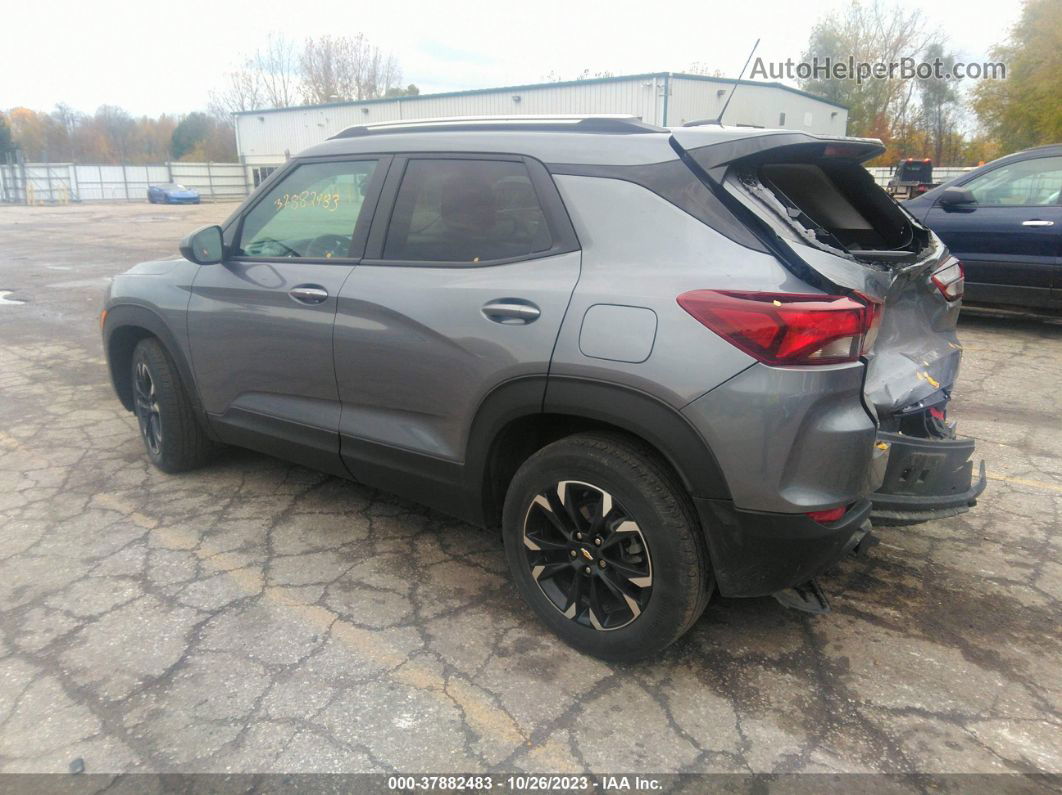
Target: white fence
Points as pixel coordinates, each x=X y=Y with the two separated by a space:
x=881 y=174
x=59 y=183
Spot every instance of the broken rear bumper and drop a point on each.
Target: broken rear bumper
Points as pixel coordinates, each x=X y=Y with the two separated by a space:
x=926 y=479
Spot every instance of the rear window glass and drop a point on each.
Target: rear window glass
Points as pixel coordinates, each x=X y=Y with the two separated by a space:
x=914 y=172
x=463 y=210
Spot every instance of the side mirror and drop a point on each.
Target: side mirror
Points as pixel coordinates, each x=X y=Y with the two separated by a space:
x=204 y=246
x=952 y=197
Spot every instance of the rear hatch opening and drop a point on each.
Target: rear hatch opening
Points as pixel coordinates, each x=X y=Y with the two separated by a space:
x=829 y=200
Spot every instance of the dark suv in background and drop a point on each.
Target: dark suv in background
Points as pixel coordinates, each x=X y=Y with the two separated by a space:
x=1004 y=222
x=663 y=362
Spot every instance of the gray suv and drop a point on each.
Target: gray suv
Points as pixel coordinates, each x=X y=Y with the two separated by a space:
x=664 y=362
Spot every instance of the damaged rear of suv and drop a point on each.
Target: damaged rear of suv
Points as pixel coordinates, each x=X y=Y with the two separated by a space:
x=836 y=229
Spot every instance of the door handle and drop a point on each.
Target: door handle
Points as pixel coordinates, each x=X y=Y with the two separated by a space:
x=308 y=294
x=1037 y=222
x=511 y=311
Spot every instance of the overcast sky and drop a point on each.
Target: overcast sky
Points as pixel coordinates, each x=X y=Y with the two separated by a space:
x=152 y=57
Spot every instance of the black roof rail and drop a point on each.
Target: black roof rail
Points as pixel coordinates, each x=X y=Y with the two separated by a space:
x=621 y=125
x=717 y=123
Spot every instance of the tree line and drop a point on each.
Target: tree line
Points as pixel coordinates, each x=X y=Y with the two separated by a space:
x=922 y=117
x=929 y=117
x=283 y=73
x=277 y=75
x=111 y=135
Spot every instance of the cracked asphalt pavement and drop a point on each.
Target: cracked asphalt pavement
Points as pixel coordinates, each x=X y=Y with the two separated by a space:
x=256 y=616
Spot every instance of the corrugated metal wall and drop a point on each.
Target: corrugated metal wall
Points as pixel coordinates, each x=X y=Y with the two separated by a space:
x=267 y=137
x=761 y=106
x=271 y=136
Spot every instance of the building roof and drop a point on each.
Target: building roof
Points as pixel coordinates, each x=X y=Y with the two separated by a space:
x=559 y=84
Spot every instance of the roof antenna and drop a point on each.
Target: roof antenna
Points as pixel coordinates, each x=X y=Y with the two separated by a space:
x=719 y=119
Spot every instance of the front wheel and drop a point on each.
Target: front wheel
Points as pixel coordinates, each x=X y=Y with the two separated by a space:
x=603 y=544
x=173 y=436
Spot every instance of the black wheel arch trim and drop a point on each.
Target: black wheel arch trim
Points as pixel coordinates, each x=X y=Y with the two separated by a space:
x=618 y=405
x=130 y=316
x=648 y=417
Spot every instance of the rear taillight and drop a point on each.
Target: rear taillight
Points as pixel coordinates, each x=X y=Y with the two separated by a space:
x=950 y=279
x=784 y=328
x=827 y=516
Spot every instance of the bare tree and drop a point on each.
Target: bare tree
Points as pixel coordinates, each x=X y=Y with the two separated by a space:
x=702 y=68
x=871 y=32
x=277 y=68
x=118 y=128
x=336 y=68
x=586 y=74
x=242 y=91
x=379 y=74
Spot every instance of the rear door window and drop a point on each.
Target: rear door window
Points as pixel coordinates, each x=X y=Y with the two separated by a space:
x=310 y=213
x=466 y=211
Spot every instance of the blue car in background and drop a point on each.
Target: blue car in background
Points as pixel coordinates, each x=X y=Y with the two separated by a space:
x=172 y=193
x=1004 y=223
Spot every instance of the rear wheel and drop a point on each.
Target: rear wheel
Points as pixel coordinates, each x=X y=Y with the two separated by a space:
x=603 y=544
x=173 y=437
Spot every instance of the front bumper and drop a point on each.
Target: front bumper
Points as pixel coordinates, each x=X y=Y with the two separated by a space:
x=926 y=479
x=755 y=553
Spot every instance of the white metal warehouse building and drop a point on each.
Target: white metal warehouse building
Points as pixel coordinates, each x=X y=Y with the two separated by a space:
x=266 y=138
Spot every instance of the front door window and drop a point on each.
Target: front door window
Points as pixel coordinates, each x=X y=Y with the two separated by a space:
x=311 y=213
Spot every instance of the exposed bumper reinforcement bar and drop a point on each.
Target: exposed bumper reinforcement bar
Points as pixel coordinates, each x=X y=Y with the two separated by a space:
x=926 y=479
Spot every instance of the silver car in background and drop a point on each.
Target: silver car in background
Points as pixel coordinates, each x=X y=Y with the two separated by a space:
x=664 y=362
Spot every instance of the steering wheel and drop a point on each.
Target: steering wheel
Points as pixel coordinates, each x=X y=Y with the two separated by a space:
x=263 y=247
x=328 y=246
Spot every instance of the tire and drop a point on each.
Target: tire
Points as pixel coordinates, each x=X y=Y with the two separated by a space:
x=172 y=434
x=646 y=561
